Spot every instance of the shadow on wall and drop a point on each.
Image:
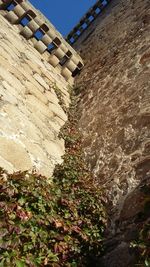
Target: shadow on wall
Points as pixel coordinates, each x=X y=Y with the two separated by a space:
x=129 y=244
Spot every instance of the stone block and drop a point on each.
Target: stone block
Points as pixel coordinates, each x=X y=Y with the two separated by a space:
x=4 y=164
x=12 y=80
x=19 y=11
x=40 y=47
x=53 y=124
x=26 y=32
x=36 y=152
x=54 y=149
x=33 y=90
x=41 y=81
x=43 y=127
x=58 y=111
x=15 y=154
x=12 y=17
x=34 y=104
x=53 y=60
x=66 y=73
x=7 y=97
x=46 y=39
x=52 y=97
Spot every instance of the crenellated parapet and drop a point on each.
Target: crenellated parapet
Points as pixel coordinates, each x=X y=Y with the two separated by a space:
x=86 y=21
x=46 y=39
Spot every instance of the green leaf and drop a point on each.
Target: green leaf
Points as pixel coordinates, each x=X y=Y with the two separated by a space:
x=21 y=201
x=20 y=263
x=2 y=263
x=74 y=264
x=147 y=263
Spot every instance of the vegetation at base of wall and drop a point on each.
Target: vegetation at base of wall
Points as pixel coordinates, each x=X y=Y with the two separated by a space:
x=52 y=223
x=142 y=243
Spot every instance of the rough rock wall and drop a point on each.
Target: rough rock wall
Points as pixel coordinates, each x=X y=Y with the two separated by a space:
x=115 y=97
x=30 y=113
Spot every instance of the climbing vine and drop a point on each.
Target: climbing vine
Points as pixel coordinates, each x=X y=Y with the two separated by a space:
x=52 y=222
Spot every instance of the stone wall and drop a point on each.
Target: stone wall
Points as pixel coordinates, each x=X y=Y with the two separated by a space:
x=34 y=26
x=30 y=112
x=114 y=108
x=87 y=20
x=114 y=99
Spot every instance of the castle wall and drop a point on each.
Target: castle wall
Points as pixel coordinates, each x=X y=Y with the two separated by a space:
x=114 y=99
x=46 y=39
x=30 y=111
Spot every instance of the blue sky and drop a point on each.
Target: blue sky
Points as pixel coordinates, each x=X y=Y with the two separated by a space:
x=64 y=14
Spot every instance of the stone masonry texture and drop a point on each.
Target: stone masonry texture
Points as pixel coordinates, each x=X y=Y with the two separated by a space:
x=30 y=114
x=114 y=99
x=114 y=108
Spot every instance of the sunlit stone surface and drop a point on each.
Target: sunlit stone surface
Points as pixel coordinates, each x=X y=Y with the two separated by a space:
x=30 y=114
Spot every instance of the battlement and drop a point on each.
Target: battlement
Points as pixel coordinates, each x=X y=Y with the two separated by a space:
x=45 y=38
x=86 y=21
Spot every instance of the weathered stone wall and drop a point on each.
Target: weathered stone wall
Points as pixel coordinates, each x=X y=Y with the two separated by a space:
x=30 y=113
x=34 y=26
x=115 y=97
x=114 y=103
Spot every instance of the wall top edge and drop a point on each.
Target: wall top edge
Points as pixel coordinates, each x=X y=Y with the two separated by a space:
x=34 y=26
x=88 y=18
x=41 y=15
